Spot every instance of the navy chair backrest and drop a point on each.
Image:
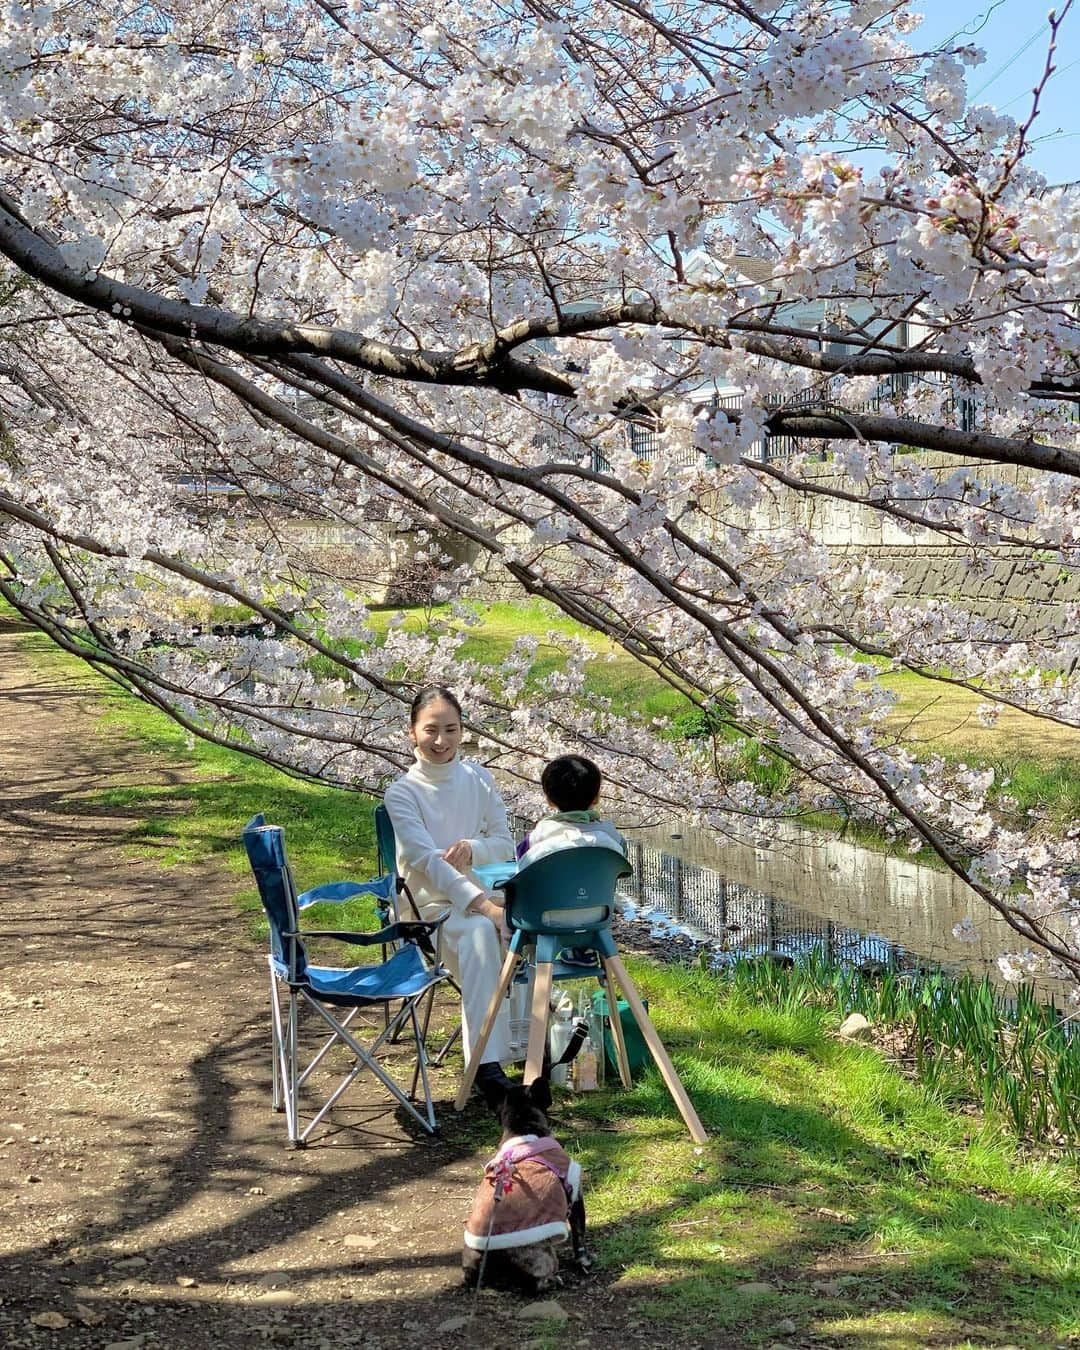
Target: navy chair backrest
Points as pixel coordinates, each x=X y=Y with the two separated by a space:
x=265 y=845
x=567 y=892
x=385 y=842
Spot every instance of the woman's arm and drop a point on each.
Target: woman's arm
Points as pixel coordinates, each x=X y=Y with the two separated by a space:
x=493 y=842
x=419 y=852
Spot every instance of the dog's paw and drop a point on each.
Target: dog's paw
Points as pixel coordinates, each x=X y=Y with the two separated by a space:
x=580 y=1267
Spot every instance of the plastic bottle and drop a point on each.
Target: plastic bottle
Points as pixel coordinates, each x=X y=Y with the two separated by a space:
x=585 y=1068
x=562 y=1025
x=595 y=1019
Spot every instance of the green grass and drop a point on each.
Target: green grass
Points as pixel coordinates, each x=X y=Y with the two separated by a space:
x=825 y=1164
x=1037 y=761
x=966 y=1039
x=882 y=1213
x=616 y=676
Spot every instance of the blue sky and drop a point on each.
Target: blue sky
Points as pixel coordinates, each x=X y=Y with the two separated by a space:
x=1003 y=29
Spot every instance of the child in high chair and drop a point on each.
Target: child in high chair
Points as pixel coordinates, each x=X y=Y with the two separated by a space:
x=571 y=784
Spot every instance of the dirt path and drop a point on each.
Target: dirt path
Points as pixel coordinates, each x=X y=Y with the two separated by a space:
x=149 y=1200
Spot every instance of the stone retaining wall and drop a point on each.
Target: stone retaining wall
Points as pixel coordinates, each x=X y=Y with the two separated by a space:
x=1028 y=597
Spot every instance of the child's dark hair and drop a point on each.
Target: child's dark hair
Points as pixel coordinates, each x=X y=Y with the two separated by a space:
x=432 y=693
x=571 y=782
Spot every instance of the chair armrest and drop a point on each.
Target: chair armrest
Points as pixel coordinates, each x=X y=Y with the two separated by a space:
x=394 y=932
x=409 y=930
x=335 y=892
x=343 y=935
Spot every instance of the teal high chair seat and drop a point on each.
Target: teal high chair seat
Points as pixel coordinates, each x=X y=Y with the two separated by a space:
x=566 y=899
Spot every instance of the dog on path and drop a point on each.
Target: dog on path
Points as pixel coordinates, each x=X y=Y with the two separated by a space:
x=528 y=1203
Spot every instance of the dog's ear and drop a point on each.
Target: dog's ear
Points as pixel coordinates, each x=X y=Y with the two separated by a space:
x=539 y=1091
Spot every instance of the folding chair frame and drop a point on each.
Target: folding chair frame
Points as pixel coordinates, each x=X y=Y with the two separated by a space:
x=288 y=1077
x=386 y=846
x=407 y=980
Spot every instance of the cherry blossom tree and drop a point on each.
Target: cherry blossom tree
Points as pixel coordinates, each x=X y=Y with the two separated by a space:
x=385 y=267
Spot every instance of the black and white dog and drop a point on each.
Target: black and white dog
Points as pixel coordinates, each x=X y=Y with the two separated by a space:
x=529 y=1202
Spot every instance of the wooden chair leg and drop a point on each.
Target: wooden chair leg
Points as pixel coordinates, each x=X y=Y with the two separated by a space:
x=538 y=1021
x=621 y=1057
x=476 y=1058
x=656 y=1049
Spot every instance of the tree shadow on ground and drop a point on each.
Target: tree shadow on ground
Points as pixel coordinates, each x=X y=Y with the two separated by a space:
x=147 y=1067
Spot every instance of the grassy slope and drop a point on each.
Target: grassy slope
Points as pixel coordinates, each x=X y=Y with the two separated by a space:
x=1040 y=760
x=618 y=677
x=927 y=1226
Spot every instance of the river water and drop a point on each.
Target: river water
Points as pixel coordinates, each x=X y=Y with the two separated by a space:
x=805 y=890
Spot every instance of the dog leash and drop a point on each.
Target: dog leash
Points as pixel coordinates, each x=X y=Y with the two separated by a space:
x=502 y=1176
x=499 y=1189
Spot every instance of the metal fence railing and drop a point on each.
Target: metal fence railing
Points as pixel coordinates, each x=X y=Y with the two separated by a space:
x=961 y=409
x=736 y=918
x=732 y=918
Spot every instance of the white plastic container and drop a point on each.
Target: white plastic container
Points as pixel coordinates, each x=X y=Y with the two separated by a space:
x=559 y=1032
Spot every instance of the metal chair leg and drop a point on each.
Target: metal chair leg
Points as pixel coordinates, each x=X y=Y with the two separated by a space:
x=366 y=1060
x=450 y=1041
x=292 y=1086
x=420 y=1072
x=275 y=1046
x=421 y=1034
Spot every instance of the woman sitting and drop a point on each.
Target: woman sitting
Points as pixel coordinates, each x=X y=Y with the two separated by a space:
x=448 y=817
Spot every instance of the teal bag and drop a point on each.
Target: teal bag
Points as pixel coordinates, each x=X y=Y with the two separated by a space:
x=637 y=1052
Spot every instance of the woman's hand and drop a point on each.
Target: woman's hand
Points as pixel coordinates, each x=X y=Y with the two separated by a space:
x=491 y=908
x=459 y=855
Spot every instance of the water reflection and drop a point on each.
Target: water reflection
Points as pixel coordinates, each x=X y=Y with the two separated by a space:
x=806 y=892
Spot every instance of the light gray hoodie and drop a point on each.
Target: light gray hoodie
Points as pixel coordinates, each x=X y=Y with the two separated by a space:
x=570 y=829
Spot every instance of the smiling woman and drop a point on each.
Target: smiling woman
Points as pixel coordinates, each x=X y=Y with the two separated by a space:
x=448 y=818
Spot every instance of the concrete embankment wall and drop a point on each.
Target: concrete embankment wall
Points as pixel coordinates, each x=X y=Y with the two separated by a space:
x=1027 y=594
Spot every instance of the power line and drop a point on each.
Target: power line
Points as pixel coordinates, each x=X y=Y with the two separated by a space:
x=1012 y=60
x=1025 y=94
x=982 y=18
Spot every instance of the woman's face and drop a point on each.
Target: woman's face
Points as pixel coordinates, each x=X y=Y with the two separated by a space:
x=437 y=732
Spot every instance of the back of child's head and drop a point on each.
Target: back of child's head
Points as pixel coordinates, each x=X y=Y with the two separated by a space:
x=571 y=782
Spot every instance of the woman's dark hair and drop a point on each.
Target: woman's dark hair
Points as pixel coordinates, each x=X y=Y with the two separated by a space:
x=432 y=693
x=571 y=782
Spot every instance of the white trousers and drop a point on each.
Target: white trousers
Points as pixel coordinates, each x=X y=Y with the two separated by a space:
x=470 y=948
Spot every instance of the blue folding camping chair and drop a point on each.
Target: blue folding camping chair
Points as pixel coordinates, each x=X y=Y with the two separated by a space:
x=406 y=978
x=386 y=846
x=566 y=899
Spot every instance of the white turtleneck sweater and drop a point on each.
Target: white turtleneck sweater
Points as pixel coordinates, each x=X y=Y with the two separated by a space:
x=433 y=806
